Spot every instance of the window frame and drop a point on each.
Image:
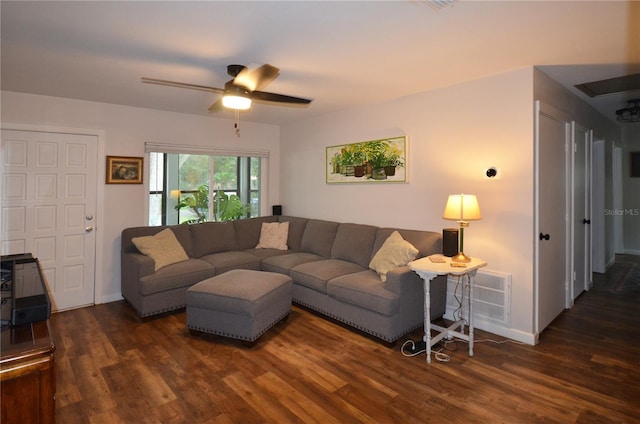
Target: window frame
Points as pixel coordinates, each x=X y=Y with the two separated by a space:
x=244 y=163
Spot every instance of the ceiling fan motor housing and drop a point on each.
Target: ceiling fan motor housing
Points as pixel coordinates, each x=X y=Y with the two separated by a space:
x=235 y=89
x=234 y=70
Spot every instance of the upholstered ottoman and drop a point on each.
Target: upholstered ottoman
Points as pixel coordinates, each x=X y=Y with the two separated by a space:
x=240 y=303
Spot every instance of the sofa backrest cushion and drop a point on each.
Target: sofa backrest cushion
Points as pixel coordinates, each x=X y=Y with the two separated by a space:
x=354 y=243
x=296 y=230
x=163 y=247
x=248 y=231
x=213 y=237
x=181 y=232
x=318 y=237
x=427 y=242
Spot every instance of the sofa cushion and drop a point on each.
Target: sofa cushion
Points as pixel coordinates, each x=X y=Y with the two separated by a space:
x=316 y=274
x=427 y=242
x=248 y=230
x=285 y=263
x=296 y=230
x=226 y=261
x=163 y=247
x=353 y=243
x=273 y=235
x=181 y=232
x=213 y=237
x=318 y=237
x=395 y=252
x=364 y=289
x=263 y=254
x=182 y=274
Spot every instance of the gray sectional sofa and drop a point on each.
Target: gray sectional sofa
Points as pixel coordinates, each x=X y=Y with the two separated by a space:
x=328 y=262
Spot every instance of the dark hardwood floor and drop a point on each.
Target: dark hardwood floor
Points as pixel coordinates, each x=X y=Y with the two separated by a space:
x=113 y=368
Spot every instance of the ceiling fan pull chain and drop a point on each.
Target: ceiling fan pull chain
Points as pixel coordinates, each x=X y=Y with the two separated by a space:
x=237 y=124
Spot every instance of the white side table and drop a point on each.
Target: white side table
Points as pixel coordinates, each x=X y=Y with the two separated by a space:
x=428 y=270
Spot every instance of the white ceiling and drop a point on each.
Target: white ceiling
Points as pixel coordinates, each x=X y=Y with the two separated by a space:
x=341 y=54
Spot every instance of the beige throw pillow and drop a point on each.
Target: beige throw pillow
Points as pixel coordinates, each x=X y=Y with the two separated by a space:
x=164 y=248
x=395 y=252
x=273 y=235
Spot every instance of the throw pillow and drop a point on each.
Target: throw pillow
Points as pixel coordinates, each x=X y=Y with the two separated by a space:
x=394 y=252
x=273 y=235
x=164 y=248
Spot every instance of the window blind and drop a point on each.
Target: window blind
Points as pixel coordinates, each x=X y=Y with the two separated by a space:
x=203 y=150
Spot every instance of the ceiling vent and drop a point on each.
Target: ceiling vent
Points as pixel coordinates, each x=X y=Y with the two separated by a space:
x=611 y=85
x=439 y=4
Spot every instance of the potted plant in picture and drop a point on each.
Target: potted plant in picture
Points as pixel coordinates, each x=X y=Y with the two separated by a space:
x=335 y=163
x=377 y=158
x=359 y=159
x=346 y=161
x=392 y=161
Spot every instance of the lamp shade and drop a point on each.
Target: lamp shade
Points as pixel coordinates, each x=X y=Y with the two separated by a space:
x=462 y=207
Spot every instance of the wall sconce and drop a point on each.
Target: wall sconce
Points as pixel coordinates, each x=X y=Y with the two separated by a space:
x=492 y=172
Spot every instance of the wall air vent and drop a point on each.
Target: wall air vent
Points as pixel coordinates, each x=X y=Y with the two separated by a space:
x=492 y=298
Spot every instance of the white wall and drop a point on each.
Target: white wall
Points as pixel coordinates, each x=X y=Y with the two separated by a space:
x=125 y=130
x=455 y=134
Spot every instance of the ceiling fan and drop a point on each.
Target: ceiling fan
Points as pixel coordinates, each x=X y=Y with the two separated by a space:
x=244 y=88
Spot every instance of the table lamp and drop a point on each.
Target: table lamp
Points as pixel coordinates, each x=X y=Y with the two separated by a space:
x=462 y=208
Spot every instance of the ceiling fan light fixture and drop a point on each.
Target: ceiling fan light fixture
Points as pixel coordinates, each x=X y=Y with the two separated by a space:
x=233 y=101
x=631 y=113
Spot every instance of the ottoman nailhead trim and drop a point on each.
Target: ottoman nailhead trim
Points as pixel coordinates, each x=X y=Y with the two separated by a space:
x=237 y=336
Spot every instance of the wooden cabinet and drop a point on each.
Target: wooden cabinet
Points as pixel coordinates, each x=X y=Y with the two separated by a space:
x=27 y=374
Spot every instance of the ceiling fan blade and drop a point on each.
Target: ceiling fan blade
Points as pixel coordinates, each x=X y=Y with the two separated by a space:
x=182 y=85
x=255 y=79
x=216 y=106
x=278 y=98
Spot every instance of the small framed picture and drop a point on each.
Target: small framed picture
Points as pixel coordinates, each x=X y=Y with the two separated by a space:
x=635 y=164
x=124 y=170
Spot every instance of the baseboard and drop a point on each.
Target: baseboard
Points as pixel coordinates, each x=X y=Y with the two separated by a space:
x=114 y=297
x=510 y=333
x=631 y=252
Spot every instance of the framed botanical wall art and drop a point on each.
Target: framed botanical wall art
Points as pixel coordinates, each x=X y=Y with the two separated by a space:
x=124 y=170
x=375 y=161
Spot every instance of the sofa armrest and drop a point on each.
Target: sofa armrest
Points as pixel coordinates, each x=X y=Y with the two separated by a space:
x=399 y=278
x=133 y=267
x=407 y=284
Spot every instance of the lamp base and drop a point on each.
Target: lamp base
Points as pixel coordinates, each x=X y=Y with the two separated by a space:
x=461 y=257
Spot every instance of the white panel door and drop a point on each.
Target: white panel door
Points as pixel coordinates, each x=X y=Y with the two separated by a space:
x=598 y=179
x=581 y=251
x=48 y=209
x=552 y=211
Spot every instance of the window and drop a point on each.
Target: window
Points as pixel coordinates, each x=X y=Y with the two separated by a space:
x=183 y=186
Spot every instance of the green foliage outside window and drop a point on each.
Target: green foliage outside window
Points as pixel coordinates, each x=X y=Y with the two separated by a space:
x=225 y=207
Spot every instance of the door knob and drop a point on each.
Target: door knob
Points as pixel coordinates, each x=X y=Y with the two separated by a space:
x=88 y=217
x=544 y=236
x=586 y=221
x=88 y=229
